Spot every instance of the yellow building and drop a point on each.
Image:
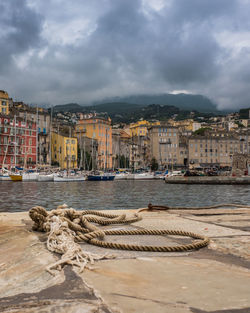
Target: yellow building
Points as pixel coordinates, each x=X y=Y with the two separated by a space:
x=4 y=102
x=100 y=129
x=186 y=124
x=140 y=128
x=64 y=151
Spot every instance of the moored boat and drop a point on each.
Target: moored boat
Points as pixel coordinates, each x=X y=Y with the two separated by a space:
x=144 y=176
x=121 y=176
x=101 y=177
x=16 y=177
x=30 y=176
x=45 y=177
x=72 y=178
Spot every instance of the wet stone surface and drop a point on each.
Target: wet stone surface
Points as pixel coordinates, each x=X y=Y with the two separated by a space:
x=213 y=279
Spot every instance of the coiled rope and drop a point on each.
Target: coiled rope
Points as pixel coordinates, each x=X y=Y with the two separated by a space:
x=66 y=227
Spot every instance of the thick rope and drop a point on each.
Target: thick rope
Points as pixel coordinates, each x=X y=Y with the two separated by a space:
x=66 y=227
x=152 y=207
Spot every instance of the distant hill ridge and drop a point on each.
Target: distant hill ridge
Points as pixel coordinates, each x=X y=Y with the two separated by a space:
x=124 y=104
x=182 y=101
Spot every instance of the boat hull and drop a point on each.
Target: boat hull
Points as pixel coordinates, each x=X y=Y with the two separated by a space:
x=69 y=179
x=5 y=178
x=143 y=176
x=101 y=177
x=16 y=177
x=30 y=176
x=49 y=177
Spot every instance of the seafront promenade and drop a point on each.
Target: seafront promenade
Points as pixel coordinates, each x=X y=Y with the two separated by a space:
x=212 y=279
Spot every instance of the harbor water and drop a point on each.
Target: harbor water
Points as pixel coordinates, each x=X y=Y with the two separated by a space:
x=21 y=196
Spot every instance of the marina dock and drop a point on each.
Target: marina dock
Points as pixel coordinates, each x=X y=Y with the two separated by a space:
x=209 y=180
x=212 y=279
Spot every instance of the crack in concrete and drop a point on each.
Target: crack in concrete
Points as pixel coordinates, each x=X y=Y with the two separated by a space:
x=177 y=304
x=243 y=310
x=72 y=289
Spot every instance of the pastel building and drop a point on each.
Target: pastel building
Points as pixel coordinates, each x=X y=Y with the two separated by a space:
x=18 y=142
x=63 y=151
x=99 y=129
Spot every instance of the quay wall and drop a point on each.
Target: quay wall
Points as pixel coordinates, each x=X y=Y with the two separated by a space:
x=212 y=180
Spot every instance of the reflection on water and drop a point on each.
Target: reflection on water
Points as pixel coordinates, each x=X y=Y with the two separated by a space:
x=21 y=196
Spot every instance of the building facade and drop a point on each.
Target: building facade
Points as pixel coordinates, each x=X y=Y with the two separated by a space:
x=43 y=119
x=167 y=147
x=98 y=128
x=121 y=145
x=18 y=143
x=214 y=149
x=63 y=151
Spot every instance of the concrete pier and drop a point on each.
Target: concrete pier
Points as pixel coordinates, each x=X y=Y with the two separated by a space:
x=213 y=279
x=209 y=180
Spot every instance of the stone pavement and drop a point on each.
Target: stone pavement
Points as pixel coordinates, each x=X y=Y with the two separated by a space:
x=213 y=279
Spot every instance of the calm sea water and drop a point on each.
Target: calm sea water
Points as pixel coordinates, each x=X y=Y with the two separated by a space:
x=21 y=196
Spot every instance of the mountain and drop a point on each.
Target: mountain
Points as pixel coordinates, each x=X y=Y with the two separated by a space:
x=114 y=107
x=69 y=107
x=182 y=101
x=123 y=104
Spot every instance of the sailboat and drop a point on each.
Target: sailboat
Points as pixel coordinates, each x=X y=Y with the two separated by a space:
x=101 y=176
x=68 y=178
x=4 y=175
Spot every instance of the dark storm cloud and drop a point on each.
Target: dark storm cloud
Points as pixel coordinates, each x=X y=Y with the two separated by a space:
x=19 y=29
x=82 y=51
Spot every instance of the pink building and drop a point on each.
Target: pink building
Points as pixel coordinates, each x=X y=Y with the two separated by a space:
x=17 y=142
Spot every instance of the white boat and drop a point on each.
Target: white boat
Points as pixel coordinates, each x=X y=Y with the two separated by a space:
x=4 y=177
x=30 y=176
x=121 y=176
x=144 y=176
x=72 y=178
x=45 y=177
x=4 y=174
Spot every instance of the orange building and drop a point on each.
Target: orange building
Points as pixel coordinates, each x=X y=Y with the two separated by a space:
x=98 y=128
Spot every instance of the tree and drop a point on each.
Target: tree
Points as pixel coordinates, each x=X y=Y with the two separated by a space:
x=154 y=165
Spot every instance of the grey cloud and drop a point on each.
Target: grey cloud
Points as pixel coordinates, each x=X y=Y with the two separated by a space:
x=129 y=51
x=20 y=29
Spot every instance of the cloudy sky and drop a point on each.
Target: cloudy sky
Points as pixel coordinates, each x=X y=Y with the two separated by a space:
x=59 y=51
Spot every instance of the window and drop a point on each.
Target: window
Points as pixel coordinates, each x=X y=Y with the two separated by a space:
x=3 y=110
x=4 y=103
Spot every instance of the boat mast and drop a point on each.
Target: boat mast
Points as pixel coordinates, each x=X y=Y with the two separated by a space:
x=69 y=146
x=84 y=156
x=92 y=153
x=25 y=142
x=106 y=150
x=15 y=141
x=37 y=154
x=50 y=138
